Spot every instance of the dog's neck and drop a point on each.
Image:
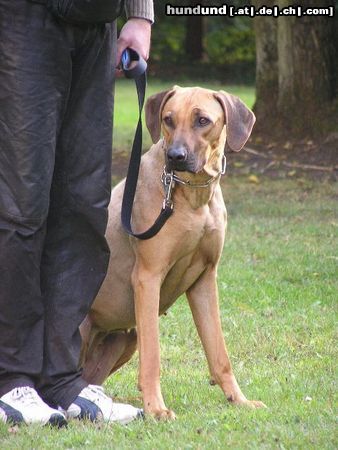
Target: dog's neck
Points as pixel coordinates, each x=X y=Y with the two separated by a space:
x=197 y=197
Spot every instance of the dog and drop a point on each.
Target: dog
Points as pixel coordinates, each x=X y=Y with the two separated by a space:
x=145 y=277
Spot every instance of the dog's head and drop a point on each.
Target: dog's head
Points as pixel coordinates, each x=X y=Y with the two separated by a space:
x=196 y=124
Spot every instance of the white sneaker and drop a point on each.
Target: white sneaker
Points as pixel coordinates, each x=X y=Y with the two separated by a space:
x=23 y=405
x=93 y=404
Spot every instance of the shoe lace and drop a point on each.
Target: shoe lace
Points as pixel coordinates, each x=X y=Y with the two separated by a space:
x=27 y=395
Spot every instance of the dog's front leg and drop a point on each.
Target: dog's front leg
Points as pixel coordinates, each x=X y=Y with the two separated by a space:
x=203 y=300
x=147 y=295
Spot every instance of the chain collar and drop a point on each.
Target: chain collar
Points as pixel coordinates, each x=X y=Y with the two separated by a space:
x=170 y=178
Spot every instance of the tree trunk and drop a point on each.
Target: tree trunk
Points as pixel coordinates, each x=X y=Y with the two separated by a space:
x=286 y=81
x=295 y=75
x=194 y=36
x=305 y=68
x=266 y=65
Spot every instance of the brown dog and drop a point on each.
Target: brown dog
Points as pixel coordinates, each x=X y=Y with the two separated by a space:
x=146 y=277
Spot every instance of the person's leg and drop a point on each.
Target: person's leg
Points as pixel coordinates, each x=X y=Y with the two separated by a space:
x=76 y=254
x=34 y=79
x=47 y=77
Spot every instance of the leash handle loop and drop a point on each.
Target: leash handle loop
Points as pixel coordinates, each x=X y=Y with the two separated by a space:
x=139 y=74
x=131 y=70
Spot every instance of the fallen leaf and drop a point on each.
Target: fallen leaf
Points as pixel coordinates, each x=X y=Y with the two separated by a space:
x=253 y=179
x=271 y=145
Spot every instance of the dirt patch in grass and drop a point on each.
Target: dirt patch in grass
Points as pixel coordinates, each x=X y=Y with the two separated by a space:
x=286 y=159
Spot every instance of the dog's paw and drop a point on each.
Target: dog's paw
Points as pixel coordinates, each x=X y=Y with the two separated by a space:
x=253 y=404
x=162 y=414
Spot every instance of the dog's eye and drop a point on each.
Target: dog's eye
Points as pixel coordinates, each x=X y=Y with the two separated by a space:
x=168 y=121
x=203 y=121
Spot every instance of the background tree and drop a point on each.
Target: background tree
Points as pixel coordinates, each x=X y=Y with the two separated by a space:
x=194 y=34
x=265 y=29
x=296 y=68
x=214 y=47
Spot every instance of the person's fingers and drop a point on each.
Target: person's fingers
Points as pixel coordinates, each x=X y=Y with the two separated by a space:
x=136 y=35
x=121 y=46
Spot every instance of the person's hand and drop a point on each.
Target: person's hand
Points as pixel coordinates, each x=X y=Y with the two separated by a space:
x=135 y=34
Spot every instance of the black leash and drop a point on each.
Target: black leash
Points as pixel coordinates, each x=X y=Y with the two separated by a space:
x=138 y=73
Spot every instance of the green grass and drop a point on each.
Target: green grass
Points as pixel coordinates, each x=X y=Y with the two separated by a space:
x=126 y=102
x=278 y=297
x=278 y=292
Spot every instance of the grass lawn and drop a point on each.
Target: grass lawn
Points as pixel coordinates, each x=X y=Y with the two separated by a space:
x=278 y=297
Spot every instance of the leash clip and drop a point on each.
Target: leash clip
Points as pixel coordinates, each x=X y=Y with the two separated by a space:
x=168 y=184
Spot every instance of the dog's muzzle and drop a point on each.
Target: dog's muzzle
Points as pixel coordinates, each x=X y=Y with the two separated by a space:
x=178 y=159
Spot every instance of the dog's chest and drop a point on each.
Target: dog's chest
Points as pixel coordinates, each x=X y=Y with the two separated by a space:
x=196 y=248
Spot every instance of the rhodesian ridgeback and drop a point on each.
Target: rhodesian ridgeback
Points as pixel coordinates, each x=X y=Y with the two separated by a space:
x=145 y=277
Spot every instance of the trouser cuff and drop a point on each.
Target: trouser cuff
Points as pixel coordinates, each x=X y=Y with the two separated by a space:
x=69 y=394
x=14 y=381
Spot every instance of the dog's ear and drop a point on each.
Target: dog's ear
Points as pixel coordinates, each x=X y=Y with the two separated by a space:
x=239 y=120
x=153 y=110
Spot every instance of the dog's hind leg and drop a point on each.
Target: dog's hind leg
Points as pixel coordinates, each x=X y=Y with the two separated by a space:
x=86 y=331
x=131 y=346
x=106 y=353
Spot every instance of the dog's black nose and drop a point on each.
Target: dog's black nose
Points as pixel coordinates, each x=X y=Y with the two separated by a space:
x=177 y=154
